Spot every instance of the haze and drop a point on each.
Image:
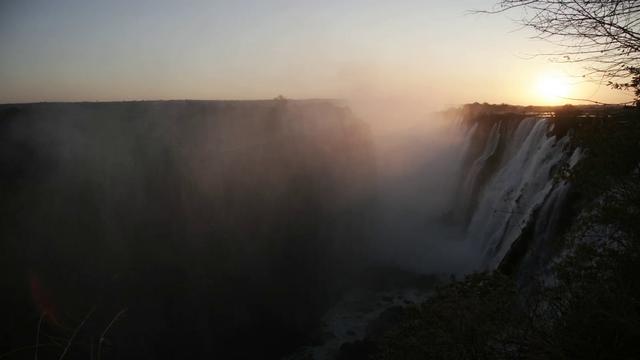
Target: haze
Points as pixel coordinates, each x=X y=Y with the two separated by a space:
x=431 y=53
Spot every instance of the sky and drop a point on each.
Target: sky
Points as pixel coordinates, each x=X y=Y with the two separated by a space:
x=432 y=53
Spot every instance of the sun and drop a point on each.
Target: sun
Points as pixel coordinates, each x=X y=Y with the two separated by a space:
x=553 y=88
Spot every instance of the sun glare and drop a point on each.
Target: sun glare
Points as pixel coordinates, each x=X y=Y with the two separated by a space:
x=553 y=88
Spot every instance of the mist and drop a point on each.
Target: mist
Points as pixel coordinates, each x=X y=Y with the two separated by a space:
x=419 y=160
x=240 y=211
x=318 y=180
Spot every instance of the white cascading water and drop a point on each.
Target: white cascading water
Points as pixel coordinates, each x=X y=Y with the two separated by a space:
x=424 y=180
x=471 y=178
x=523 y=190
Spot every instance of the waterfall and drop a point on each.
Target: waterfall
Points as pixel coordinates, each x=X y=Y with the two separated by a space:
x=478 y=165
x=511 y=187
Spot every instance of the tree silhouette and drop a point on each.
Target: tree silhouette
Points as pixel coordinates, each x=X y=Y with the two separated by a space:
x=602 y=35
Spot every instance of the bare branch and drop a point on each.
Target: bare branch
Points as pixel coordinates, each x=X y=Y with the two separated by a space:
x=104 y=333
x=75 y=332
x=38 y=334
x=602 y=35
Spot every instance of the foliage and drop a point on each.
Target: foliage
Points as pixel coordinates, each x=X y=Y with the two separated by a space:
x=587 y=307
x=470 y=319
x=633 y=84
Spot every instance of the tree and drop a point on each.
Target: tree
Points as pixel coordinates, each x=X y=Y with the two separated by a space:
x=603 y=35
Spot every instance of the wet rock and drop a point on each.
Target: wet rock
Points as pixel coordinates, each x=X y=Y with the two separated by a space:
x=387 y=319
x=357 y=350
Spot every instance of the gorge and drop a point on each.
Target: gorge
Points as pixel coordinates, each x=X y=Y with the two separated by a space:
x=231 y=228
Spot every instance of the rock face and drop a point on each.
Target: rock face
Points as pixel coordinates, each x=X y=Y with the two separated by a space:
x=216 y=224
x=512 y=196
x=510 y=204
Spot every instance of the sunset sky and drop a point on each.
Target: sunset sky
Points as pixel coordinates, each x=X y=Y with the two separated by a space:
x=432 y=52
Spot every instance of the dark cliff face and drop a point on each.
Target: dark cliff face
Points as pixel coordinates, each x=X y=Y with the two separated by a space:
x=215 y=224
x=513 y=197
x=518 y=195
x=568 y=283
x=584 y=304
